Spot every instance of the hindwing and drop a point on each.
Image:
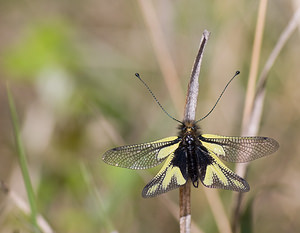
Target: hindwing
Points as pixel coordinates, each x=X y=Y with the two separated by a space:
x=215 y=174
x=173 y=174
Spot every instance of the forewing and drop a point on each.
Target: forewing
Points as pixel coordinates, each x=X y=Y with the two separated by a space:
x=239 y=149
x=214 y=174
x=141 y=156
x=173 y=174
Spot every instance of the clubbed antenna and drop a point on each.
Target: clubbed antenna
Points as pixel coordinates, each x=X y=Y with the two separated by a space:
x=154 y=97
x=236 y=73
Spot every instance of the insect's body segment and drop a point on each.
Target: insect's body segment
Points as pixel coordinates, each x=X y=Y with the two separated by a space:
x=189 y=133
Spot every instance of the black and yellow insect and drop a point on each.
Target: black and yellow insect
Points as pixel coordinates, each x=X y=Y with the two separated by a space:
x=192 y=155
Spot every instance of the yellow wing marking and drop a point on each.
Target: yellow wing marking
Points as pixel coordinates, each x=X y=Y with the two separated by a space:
x=217 y=149
x=213 y=171
x=169 y=177
x=173 y=172
x=164 y=152
x=239 y=149
x=219 y=176
x=168 y=139
x=213 y=136
x=152 y=189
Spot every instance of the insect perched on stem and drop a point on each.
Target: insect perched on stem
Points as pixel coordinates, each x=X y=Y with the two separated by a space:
x=191 y=155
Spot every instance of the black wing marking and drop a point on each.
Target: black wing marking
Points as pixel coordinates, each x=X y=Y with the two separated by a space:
x=173 y=174
x=239 y=149
x=141 y=156
x=214 y=174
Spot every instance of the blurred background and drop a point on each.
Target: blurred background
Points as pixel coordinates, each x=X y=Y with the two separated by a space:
x=70 y=66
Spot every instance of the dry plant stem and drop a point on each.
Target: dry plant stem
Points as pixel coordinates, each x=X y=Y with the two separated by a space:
x=185 y=208
x=218 y=210
x=165 y=60
x=173 y=208
x=262 y=80
x=192 y=95
x=190 y=114
x=285 y=35
x=254 y=63
x=162 y=53
x=250 y=95
x=255 y=117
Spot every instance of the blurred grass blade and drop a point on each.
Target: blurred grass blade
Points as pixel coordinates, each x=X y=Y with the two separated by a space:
x=22 y=160
x=98 y=200
x=247 y=218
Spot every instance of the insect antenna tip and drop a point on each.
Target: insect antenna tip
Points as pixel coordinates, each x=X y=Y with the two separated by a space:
x=154 y=97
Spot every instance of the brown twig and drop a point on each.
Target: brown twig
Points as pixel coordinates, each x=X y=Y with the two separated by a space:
x=190 y=114
x=174 y=209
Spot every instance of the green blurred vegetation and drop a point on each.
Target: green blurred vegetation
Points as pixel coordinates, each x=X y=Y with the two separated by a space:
x=70 y=67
